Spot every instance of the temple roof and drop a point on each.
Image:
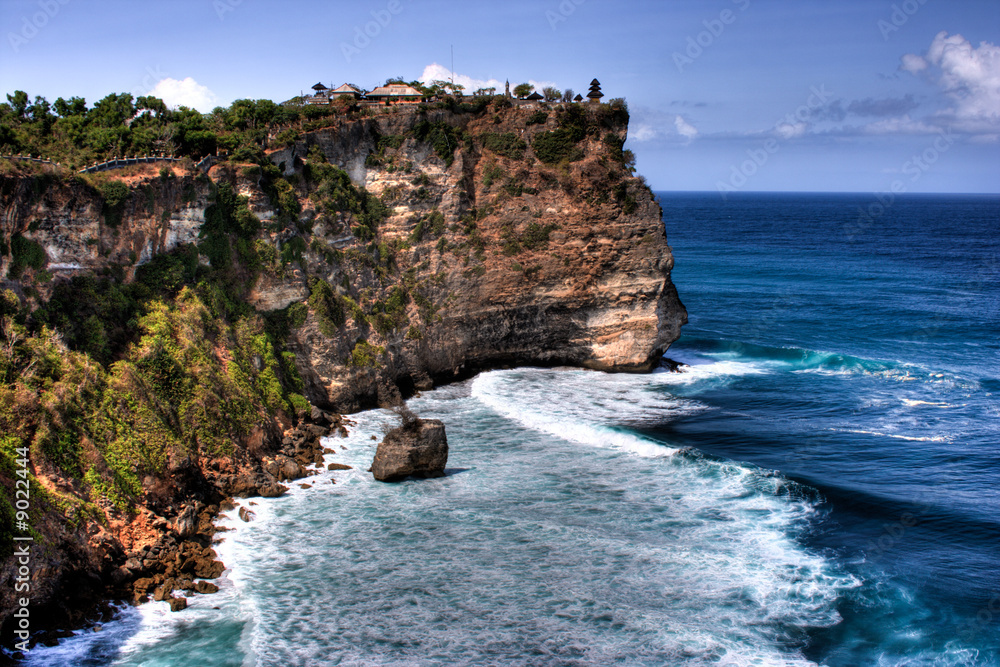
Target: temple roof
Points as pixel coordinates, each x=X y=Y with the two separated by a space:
x=395 y=90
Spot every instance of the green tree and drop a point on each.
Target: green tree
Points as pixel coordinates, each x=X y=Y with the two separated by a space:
x=568 y=95
x=154 y=104
x=39 y=111
x=523 y=90
x=18 y=102
x=251 y=114
x=112 y=111
x=192 y=135
x=76 y=106
x=551 y=94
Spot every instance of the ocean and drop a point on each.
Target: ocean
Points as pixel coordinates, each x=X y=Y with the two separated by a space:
x=820 y=486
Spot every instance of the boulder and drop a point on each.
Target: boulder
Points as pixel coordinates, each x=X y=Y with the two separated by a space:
x=177 y=604
x=290 y=470
x=209 y=569
x=141 y=588
x=338 y=466
x=187 y=522
x=205 y=587
x=418 y=448
x=314 y=431
x=272 y=490
x=164 y=591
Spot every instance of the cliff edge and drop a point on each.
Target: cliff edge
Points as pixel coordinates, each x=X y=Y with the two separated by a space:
x=169 y=333
x=513 y=249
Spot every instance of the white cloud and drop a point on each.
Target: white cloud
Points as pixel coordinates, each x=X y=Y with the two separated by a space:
x=791 y=130
x=903 y=125
x=969 y=75
x=685 y=129
x=913 y=63
x=435 y=72
x=643 y=132
x=188 y=93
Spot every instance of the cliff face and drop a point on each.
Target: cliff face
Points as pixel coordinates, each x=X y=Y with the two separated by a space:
x=376 y=257
x=516 y=261
x=563 y=264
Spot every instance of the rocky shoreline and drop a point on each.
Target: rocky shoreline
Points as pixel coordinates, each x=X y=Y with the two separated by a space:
x=357 y=264
x=169 y=556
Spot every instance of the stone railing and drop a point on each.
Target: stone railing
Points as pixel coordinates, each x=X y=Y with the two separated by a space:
x=120 y=162
x=28 y=158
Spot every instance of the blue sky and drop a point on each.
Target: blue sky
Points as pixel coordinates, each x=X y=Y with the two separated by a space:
x=852 y=95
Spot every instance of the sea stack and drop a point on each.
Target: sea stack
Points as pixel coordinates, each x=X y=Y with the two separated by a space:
x=418 y=448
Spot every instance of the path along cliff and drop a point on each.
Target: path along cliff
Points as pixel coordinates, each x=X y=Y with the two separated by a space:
x=189 y=321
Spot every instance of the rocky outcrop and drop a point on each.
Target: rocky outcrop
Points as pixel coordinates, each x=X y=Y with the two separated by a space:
x=67 y=217
x=531 y=263
x=456 y=242
x=418 y=448
x=503 y=259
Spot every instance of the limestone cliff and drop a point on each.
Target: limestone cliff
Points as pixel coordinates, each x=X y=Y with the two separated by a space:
x=561 y=264
x=505 y=259
x=380 y=255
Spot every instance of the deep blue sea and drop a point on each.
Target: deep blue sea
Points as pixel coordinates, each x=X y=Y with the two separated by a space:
x=821 y=486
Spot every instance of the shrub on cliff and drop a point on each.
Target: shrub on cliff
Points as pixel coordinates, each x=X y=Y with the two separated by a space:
x=229 y=224
x=115 y=194
x=326 y=306
x=170 y=393
x=24 y=253
x=554 y=147
x=365 y=355
x=507 y=144
x=537 y=118
x=444 y=138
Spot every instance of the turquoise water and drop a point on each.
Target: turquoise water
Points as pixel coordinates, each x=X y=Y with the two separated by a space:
x=820 y=486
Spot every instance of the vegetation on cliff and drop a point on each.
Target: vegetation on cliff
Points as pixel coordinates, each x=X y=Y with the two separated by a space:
x=109 y=385
x=73 y=134
x=135 y=381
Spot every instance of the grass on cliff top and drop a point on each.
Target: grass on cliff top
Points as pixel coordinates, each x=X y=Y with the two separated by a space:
x=119 y=125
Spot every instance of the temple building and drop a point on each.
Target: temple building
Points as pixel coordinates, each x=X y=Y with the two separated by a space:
x=395 y=93
x=595 y=93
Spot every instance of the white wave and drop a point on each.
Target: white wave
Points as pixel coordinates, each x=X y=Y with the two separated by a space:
x=541 y=413
x=931 y=404
x=588 y=405
x=490 y=562
x=897 y=436
x=575 y=552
